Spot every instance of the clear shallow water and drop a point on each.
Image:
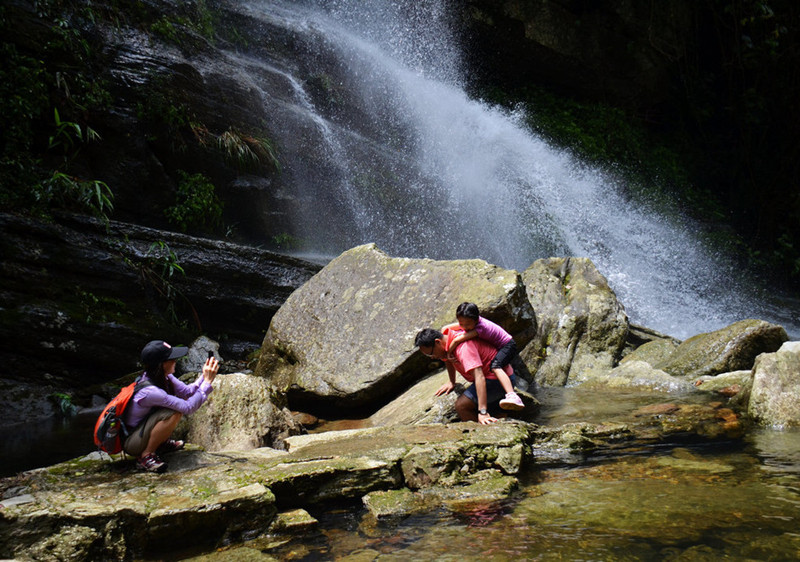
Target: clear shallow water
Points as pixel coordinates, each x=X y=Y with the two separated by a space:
x=681 y=504
x=735 y=500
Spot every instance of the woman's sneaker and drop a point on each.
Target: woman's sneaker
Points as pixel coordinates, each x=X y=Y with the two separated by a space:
x=512 y=401
x=151 y=463
x=169 y=446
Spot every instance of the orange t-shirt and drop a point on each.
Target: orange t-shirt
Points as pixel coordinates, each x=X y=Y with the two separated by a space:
x=471 y=354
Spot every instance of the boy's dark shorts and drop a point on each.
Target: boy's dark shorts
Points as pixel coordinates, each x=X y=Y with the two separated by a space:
x=494 y=391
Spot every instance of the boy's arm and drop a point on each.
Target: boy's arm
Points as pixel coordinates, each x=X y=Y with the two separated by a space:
x=448 y=387
x=461 y=338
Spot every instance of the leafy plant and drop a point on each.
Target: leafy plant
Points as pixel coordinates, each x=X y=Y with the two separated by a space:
x=68 y=134
x=65 y=190
x=197 y=206
x=285 y=241
x=64 y=404
x=247 y=152
x=166 y=29
x=158 y=270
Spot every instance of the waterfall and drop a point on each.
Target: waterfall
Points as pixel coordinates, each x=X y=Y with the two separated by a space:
x=404 y=158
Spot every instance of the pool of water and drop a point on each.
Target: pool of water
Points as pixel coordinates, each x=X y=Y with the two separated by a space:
x=698 y=503
x=46 y=441
x=734 y=500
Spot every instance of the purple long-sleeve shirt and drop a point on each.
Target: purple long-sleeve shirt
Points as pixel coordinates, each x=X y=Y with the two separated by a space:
x=187 y=399
x=492 y=333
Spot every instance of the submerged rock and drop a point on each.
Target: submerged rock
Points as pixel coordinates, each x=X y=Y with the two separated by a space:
x=640 y=375
x=736 y=386
x=92 y=508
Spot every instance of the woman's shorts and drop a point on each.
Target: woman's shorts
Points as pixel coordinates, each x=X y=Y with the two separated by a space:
x=137 y=441
x=494 y=391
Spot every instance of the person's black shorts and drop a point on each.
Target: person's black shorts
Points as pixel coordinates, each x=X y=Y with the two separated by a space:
x=504 y=355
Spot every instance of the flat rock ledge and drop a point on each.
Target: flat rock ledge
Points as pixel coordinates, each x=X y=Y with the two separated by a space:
x=93 y=508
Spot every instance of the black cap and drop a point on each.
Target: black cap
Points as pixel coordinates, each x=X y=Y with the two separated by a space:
x=158 y=351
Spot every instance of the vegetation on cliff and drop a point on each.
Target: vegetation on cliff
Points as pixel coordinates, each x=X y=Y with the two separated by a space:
x=719 y=133
x=719 y=138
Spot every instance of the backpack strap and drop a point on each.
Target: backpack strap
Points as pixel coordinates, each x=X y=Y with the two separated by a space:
x=141 y=383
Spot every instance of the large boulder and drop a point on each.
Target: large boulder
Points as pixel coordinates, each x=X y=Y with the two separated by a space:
x=582 y=326
x=639 y=375
x=346 y=337
x=732 y=348
x=775 y=396
x=240 y=415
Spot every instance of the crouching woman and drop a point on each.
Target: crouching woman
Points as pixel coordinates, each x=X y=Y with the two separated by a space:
x=159 y=404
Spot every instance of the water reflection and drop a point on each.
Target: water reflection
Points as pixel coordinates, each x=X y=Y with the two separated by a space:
x=46 y=441
x=683 y=505
x=732 y=500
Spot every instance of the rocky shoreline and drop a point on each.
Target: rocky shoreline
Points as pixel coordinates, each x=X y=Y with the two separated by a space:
x=343 y=343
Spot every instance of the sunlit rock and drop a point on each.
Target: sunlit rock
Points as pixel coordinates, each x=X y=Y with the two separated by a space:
x=345 y=339
x=775 y=397
x=240 y=414
x=581 y=325
x=736 y=386
x=419 y=405
x=642 y=376
x=732 y=348
x=652 y=352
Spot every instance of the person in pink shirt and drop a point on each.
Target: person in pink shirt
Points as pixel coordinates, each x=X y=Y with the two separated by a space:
x=476 y=326
x=157 y=407
x=473 y=360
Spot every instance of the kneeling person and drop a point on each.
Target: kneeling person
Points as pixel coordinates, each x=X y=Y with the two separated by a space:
x=473 y=359
x=156 y=409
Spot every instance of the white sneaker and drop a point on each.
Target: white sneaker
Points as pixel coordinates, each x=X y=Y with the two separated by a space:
x=512 y=401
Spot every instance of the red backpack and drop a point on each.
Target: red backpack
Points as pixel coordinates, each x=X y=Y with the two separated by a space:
x=109 y=430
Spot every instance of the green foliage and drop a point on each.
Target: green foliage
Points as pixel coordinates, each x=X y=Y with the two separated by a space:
x=36 y=155
x=742 y=112
x=246 y=152
x=197 y=206
x=195 y=16
x=95 y=308
x=65 y=191
x=167 y=30
x=69 y=135
x=63 y=402
x=285 y=241
x=157 y=270
x=652 y=164
x=168 y=119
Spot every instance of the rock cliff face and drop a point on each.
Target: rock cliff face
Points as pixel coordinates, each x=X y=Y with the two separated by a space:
x=611 y=49
x=79 y=300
